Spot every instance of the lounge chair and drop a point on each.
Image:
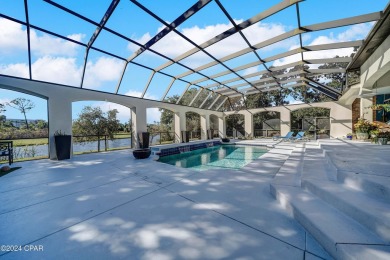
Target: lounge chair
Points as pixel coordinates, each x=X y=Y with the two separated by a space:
x=288 y=136
x=300 y=137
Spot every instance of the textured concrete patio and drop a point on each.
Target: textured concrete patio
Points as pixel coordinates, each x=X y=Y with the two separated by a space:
x=109 y=205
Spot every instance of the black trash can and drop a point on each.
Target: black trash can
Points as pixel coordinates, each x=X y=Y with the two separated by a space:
x=143 y=140
x=185 y=136
x=209 y=134
x=63 y=144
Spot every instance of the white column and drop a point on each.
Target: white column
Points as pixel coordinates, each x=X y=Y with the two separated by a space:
x=180 y=125
x=204 y=126
x=138 y=123
x=285 y=121
x=248 y=125
x=60 y=119
x=222 y=127
x=365 y=110
x=340 y=120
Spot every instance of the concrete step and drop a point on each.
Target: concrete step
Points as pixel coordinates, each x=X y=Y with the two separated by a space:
x=316 y=165
x=336 y=232
x=291 y=170
x=378 y=186
x=368 y=211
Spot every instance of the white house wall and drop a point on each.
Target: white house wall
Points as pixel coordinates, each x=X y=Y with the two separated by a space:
x=60 y=99
x=340 y=116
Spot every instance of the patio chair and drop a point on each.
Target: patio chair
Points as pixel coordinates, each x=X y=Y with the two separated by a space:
x=300 y=137
x=6 y=150
x=288 y=136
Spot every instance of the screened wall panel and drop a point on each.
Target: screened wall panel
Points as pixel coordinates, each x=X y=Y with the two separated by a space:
x=59 y=61
x=157 y=86
x=14 y=50
x=175 y=91
x=134 y=80
x=188 y=96
x=13 y=8
x=229 y=47
x=41 y=12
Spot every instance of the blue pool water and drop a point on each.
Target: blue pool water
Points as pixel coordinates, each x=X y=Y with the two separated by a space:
x=217 y=157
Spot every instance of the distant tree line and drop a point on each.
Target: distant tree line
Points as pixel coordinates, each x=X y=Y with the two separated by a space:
x=36 y=129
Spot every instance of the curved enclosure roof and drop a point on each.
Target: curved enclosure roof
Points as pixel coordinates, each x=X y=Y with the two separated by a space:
x=211 y=54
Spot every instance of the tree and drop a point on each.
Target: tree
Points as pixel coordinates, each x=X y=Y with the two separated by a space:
x=93 y=122
x=2 y=117
x=192 y=119
x=2 y=108
x=23 y=105
x=307 y=114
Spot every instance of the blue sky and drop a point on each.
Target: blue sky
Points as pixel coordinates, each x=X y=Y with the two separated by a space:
x=55 y=60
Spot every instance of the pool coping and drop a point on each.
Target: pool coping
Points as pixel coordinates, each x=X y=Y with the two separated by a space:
x=171 y=149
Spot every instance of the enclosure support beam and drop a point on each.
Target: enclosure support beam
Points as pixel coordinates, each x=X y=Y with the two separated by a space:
x=215 y=101
x=168 y=88
x=179 y=125
x=223 y=102
x=196 y=96
x=148 y=84
x=222 y=127
x=248 y=125
x=138 y=124
x=182 y=95
x=285 y=121
x=60 y=119
x=204 y=101
x=204 y=126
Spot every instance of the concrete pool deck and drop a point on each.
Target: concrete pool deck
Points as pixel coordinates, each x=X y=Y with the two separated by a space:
x=109 y=205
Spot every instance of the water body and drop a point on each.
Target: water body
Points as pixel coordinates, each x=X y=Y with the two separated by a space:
x=218 y=157
x=43 y=150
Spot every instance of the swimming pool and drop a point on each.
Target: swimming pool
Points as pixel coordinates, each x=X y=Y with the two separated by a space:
x=217 y=157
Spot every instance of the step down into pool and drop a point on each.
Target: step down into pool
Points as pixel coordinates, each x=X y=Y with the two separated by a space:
x=347 y=213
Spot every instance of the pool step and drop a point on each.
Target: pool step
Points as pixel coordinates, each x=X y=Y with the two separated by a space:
x=346 y=213
x=339 y=234
x=317 y=164
x=291 y=170
x=378 y=186
x=371 y=212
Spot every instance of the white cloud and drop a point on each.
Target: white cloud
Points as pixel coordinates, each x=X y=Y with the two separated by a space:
x=133 y=93
x=124 y=112
x=153 y=115
x=48 y=45
x=64 y=70
x=104 y=69
x=13 y=38
x=16 y=70
x=143 y=39
x=57 y=69
x=250 y=70
x=295 y=102
x=354 y=32
x=4 y=100
x=357 y=31
x=287 y=60
x=172 y=45
x=261 y=32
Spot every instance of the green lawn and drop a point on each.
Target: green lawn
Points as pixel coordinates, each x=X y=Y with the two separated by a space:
x=23 y=142
x=40 y=141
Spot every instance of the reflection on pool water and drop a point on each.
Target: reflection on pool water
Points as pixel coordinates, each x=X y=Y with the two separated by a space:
x=217 y=157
